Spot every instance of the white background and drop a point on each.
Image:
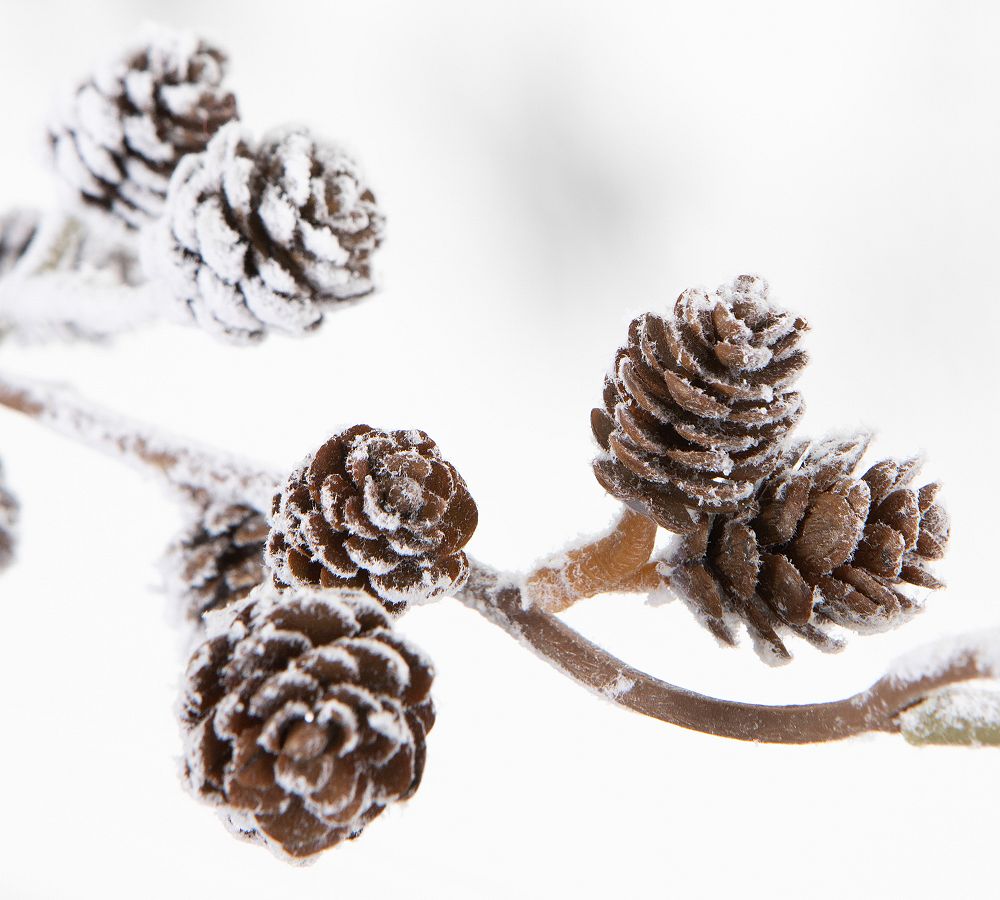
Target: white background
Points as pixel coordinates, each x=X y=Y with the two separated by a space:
x=548 y=171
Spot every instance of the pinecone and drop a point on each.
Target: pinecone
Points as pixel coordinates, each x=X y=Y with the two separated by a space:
x=697 y=407
x=8 y=520
x=379 y=511
x=269 y=235
x=219 y=558
x=817 y=544
x=17 y=229
x=119 y=135
x=305 y=715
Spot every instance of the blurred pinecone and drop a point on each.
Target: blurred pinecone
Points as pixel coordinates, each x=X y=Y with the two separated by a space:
x=305 y=716
x=118 y=136
x=17 y=229
x=379 y=511
x=265 y=236
x=8 y=520
x=219 y=558
x=816 y=544
x=698 y=405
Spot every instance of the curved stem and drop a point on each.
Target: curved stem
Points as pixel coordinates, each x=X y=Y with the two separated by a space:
x=177 y=461
x=608 y=563
x=500 y=600
x=872 y=710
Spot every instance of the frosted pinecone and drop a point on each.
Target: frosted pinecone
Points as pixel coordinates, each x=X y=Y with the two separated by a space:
x=304 y=716
x=8 y=521
x=818 y=544
x=17 y=229
x=218 y=559
x=265 y=235
x=698 y=404
x=118 y=136
x=379 y=511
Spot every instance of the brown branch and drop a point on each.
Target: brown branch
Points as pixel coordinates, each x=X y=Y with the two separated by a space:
x=500 y=601
x=610 y=563
x=872 y=710
x=177 y=461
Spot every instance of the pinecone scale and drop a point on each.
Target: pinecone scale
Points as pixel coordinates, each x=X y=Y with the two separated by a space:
x=698 y=404
x=377 y=511
x=305 y=716
x=816 y=544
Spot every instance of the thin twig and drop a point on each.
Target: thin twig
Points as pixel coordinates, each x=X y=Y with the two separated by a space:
x=608 y=563
x=66 y=284
x=177 y=461
x=872 y=710
x=500 y=600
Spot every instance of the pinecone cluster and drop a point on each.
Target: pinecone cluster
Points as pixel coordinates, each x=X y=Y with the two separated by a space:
x=265 y=235
x=8 y=520
x=695 y=433
x=698 y=404
x=305 y=716
x=382 y=512
x=17 y=229
x=219 y=558
x=117 y=137
x=817 y=544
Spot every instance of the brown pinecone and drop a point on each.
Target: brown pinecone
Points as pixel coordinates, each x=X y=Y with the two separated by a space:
x=698 y=405
x=379 y=511
x=119 y=135
x=269 y=235
x=8 y=521
x=305 y=715
x=219 y=558
x=17 y=229
x=817 y=544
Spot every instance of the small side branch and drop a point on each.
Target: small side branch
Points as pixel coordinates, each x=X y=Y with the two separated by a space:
x=178 y=462
x=872 y=710
x=616 y=561
x=500 y=599
x=69 y=284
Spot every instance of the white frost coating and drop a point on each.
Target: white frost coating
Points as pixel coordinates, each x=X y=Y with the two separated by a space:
x=289 y=234
x=983 y=647
x=72 y=280
x=620 y=686
x=178 y=462
x=115 y=135
x=961 y=714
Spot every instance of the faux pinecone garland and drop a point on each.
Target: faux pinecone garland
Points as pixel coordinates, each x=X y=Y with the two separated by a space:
x=698 y=404
x=268 y=235
x=379 y=511
x=8 y=519
x=17 y=228
x=220 y=557
x=305 y=716
x=816 y=544
x=118 y=136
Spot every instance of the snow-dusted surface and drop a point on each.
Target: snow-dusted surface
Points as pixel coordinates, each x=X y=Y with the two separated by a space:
x=982 y=646
x=548 y=172
x=966 y=714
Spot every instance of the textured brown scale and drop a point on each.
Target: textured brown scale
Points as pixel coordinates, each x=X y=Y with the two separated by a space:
x=17 y=229
x=219 y=558
x=269 y=234
x=815 y=544
x=118 y=137
x=304 y=715
x=697 y=407
x=378 y=511
x=8 y=521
